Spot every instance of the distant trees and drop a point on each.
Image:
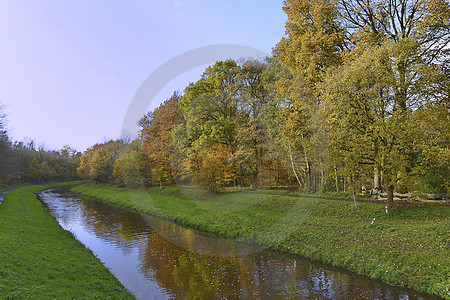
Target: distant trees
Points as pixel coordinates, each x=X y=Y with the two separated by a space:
x=22 y=162
x=29 y=165
x=97 y=162
x=116 y=162
x=127 y=169
x=8 y=158
x=40 y=165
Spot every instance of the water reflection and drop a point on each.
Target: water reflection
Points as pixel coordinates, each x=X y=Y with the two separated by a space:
x=155 y=259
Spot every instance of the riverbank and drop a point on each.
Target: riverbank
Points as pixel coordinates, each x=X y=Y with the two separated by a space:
x=4 y=188
x=40 y=260
x=408 y=247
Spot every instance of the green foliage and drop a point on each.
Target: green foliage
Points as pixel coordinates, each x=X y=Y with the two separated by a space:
x=97 y=162
x=314 y=38
x=367 y=72
x=20 y=162
x=126 y=169
x=41 y=260
x=369 y=129
x=38 y=166
x=223 y=115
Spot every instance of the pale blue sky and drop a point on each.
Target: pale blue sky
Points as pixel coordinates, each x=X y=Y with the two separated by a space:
x=69 y=69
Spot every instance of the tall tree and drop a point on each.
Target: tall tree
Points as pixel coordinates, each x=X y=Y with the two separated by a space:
x=127 y=169
x=420 y=28
x=367 y=125
x=254 y=89
x=314 y=38
x=414 y=33
x=156 y=135
x=314 y=42
x=210 y=108
x=97 y=162
x=223 y=113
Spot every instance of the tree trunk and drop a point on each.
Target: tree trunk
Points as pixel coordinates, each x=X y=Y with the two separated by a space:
x=390 y=196
x=402 y=90
x=256 y=172
x=255 y=181
x=293 y=167
x=309 y=175
x=336 y=178
x=376 y=182
x=321 y=178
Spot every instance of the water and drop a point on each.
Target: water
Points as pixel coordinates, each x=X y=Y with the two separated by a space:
x=155 y=259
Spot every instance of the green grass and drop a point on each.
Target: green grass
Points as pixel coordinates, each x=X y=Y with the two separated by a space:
x=4 y=188
x=40 y=260
x=409 y=247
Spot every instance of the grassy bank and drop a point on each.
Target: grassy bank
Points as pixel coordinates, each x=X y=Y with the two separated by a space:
x=408 y=247
x=40 y=260
x=4 y=188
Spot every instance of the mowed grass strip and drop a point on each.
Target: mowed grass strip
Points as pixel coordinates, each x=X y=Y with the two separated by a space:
x=408 y=247
x=40 y=260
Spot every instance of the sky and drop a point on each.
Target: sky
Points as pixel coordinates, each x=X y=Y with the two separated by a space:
x=71 y=70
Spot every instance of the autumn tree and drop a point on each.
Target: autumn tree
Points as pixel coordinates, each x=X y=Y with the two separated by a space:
x=68 y=151
x=35 y=170
x=84 y=167
x=97 y=162
x=156 y=135
x=314 y=39
x=314 y=42
x=358 y=108
x=254 y=88
x=367 y=125
x=417 y=35
x=430 y=171
x=222 y=113
x=210 y=108
x=126 y=169
x=275 y=162
x=420 y=31
x=332 y=35
x=132 y=168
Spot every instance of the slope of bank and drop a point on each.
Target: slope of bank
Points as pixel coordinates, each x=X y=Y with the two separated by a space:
x=40 y=260
x=4 y=188
x=407 y=247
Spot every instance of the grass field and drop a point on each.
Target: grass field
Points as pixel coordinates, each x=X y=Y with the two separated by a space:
x=407 y=247
x=40 y=260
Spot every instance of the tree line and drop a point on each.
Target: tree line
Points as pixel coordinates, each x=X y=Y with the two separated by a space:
x=24 y=162
x=355 y=98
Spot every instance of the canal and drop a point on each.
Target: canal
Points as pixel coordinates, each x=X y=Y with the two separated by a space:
x=155 y=259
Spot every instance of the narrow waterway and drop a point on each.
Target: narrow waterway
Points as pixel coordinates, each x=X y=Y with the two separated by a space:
x=155 y=259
